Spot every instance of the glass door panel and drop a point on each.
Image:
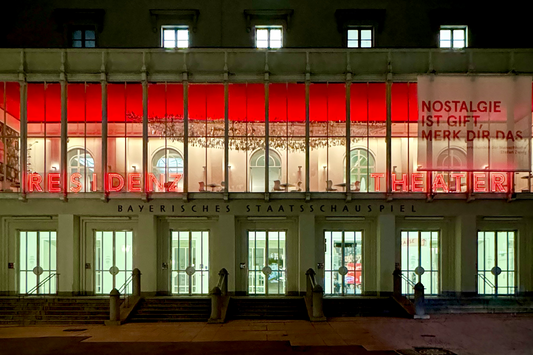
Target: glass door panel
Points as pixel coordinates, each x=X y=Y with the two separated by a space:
x=113 y=260
x=267 y=262
x=420 y=260
x=190 y=262
x=38 y=262
x=496 y=262
x=343 y=262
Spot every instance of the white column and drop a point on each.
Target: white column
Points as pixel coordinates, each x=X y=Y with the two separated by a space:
x=386 y=239
x=145 y=252
x=68 y=256
x=309 y=251
x=222 y=251
x=465 y=254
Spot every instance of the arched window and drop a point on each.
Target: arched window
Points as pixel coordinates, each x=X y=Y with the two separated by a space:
x=168 y=162
x=362 y=164
x=452 y=160
x=257 y=170
x=81 y=161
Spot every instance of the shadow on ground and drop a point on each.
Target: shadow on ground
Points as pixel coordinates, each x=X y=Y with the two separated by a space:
x=75 y=345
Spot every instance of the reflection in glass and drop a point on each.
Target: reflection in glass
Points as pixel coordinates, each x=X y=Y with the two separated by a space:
x=38 y=260
x=189 y=262
x=496 y=250
x=343 y=249
x=113 y=252
x=266 y=252
x=420 y=249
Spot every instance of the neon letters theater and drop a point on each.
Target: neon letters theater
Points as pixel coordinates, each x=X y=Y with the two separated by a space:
x=267 y=173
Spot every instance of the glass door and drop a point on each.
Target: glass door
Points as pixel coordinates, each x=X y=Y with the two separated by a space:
x=113 y=260
x=496 y=262
x=266 y=259
x=420 y=261
x=38 y=262
x=190 y=262
x=343 y=262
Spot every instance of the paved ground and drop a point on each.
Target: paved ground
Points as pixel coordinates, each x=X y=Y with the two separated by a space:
x=460 y=334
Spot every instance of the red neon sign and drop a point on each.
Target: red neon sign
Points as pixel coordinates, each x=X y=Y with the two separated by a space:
x=496 y=182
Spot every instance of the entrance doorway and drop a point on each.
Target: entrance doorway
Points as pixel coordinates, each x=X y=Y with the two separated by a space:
x=420 y=260
x=113 y=252
x=267 y=262
x=496 y=262
x=190 y=262
x=343 y=262
x=38 y=262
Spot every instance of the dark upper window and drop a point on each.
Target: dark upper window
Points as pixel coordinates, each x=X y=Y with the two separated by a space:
x=83 y=37
x=360 y=37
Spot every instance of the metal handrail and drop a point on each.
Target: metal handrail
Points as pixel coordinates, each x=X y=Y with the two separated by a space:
x=222 y=281
x=487 y=281
x=47 y=279
x=122 y=290
x=410 y=282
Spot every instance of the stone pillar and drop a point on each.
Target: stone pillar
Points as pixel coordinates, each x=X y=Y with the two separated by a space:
x=222 y=251
x=68 y=254
x=307 y=249
x=145 y=252
x=465 y=254
x=386 y=239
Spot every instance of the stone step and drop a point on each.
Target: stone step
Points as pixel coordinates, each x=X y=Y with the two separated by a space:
x=158 y=320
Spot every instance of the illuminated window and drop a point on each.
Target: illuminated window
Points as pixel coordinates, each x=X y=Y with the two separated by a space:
x=420 y=261
x=83 y=37
x=269 y=37
x=168 y=162
x=362 y=164
x=496 y=262
x=257 y=168
x=81 y=162
x=175 y=37
x=453 y=37
x=343 y=262
x=360 y=37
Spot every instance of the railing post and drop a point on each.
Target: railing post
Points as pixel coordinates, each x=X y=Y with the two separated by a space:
x=397 y=277
x=224 y=273
x=419 y=302
x=310 y=273
x=114 y=307
x=136 y=282
x=216 y=305
x=318 y=297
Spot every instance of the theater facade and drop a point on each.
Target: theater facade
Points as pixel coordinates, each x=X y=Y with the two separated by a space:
x=266 y=163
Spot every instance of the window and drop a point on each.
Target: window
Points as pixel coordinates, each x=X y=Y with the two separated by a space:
x=257 y=170
x=83 y=37
x=360 y=37
x=343 y=262
x=168 y=162
x=268 y=37
x=420 y=261
x=453 y=37
x=496 y=262
x=81 y=163
x=175 y=37
x=362 y=164
x=190 y=262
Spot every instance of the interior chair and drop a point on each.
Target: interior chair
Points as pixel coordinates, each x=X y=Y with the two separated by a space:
x=201 y=188
x=277 y=186
x=329 y=186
